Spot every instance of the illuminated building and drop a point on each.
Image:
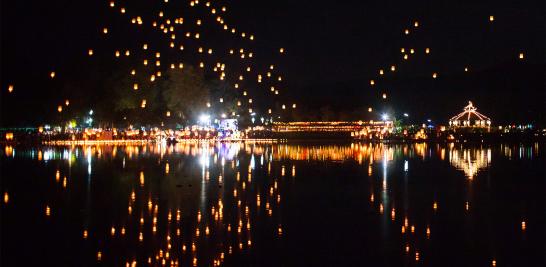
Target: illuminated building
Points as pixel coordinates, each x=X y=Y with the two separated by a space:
x=470 y=117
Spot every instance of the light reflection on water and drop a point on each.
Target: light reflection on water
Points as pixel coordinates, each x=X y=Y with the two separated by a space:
x=213 y=203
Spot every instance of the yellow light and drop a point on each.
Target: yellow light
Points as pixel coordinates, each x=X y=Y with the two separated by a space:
x=466 y=69
x=370 y=109
x=60 y=108
x=381 y=72
x=293 y=105
x=393 y=68
x=372 y=82
x=52 y=74
x=117 y=53
x=427 y=50
x=127 y=53
x=145 y=46
x=66 y=102
x=521 y=55
x=90 y=52
x=112 y=4
x=434 y=75
x=168 y=114
x=10 y=88
x=143 y=103
x=491 y=18
x=402 y=50
x=283 y=107
x=105 y=30
x=384 y=96
x=281 y=50
x=416 y=24
x=135 y=86
x=406 y=31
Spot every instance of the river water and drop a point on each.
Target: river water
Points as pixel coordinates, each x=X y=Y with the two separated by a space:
x=274 y=204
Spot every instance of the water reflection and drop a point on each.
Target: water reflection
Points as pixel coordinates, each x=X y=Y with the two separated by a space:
x=202 y=203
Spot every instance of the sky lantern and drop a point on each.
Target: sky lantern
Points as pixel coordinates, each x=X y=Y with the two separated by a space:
x=117 y=53
x=66 y=102
x=466 y=69
x=372 y=82
x=393 y=68
x=60 y=108
x=105 y=30
x=434 y=75
x=145 y=46
x=384 y=96
x=521 y=56
x=143 y=103
x=402 y=50
x=281 y=50
x=491 y=18
x=90 y=52
x=112 y=4
x=294 y=105
x=127 y=53
x=135 y=86
x=10 y=88
x=406 y=31
x=416 y=24
x=52 y=74
x=427 y=50
x=168 y=114
x=381 y=72
x=370 y=109
x=406 y=57
x=411 y=51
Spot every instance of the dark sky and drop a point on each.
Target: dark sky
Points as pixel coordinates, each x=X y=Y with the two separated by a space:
x=333 y=49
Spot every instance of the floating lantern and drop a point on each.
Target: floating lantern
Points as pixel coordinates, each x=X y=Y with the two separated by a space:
x=10 y=88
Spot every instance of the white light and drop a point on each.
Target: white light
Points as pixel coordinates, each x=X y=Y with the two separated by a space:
x=385 y=116
x=204 y=118
x=406 y=115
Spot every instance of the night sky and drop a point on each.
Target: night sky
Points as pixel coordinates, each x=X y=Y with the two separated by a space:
x=333 y=50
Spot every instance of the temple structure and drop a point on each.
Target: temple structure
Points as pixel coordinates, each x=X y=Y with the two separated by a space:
x=470 y=117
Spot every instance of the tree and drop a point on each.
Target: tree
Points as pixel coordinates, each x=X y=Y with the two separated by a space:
x=185 y=92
